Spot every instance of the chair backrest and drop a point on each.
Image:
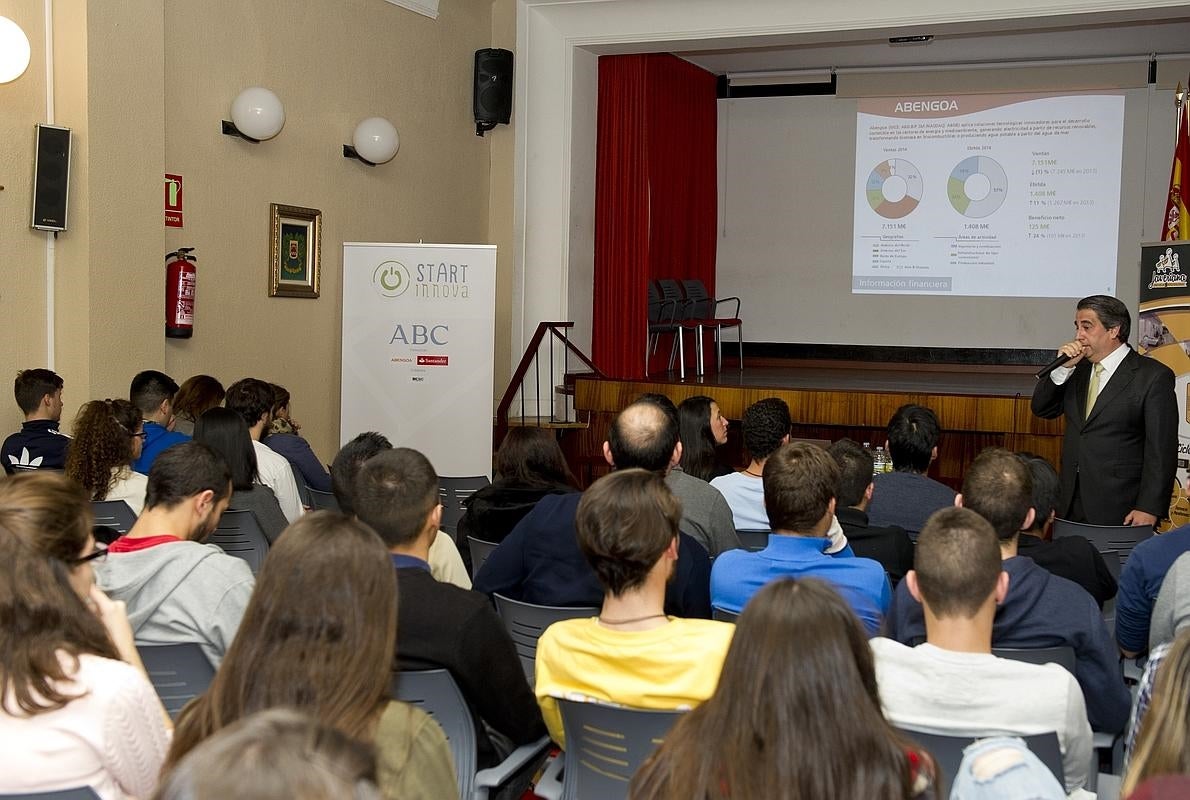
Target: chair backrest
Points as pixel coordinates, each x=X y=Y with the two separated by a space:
x=322 y=501
x=179 y=673
x=948 y=753
x=114 y=514
x=452 y=492
x=1121 y=538
x=672 y=290
x=480 y=550
x=1062 y=656
x=239 y=534
x=702 y=306
x=435 y=692
x=77 y=793
x=723 y=615
x=753 y=540
x=606 y=744
x=525 y=623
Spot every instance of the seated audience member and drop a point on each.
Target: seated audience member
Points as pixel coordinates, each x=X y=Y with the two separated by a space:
x=107 y=438
x=1143 y=697
x=283 y=438
x=318 y=637
x=153 y=393
x=196 y=394
x=1040 y=609
x=706 y=517
x=176 y=588
x=443 y=626
x=252 y=399
x=702 y=429
x=796 y=713
x=446 y=564
x=891 y=546
x=1140 y=583
x=1162 y=746
x=766 y=426
x=1171 y=610
x=632 y=654
x=77 y=708
x=279 y=754
x=906 y=496
x=529 y=465
x=225 y=432
x=1070 y=557
x=38 y=444
x=952 y=684
x=540 y=561
x=800 y=481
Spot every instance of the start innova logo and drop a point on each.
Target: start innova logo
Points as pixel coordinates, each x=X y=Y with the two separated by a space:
x=391 y=278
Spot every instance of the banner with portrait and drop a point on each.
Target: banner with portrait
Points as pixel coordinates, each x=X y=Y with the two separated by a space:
x=1163 y=333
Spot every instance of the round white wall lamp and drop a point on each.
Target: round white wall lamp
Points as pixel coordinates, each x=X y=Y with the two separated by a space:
x=14 y=51
x=375 y=141
x=256 y=115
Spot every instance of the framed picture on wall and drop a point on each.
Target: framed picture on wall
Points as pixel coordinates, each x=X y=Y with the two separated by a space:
x=295 y=251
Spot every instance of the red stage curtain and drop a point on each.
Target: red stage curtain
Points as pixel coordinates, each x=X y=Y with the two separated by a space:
x=655 y=195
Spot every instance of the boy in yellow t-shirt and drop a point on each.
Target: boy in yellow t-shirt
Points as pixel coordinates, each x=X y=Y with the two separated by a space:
x=632 y=654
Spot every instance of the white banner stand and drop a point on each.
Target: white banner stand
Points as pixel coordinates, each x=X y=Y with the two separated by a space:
x=418 y=330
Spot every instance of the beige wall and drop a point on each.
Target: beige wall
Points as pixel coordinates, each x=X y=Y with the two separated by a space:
x=332 y=64
x=500 y=206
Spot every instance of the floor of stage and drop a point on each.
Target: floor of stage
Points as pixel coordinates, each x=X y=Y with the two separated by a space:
x=854 y=378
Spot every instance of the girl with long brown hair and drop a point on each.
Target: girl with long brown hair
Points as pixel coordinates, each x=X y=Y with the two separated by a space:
x=1163 y=744
x=76 y=708
x=796 y=714
x=108 y=435
x=319 y=636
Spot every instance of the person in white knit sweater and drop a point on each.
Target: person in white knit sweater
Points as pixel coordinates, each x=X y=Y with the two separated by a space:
x=76 y=708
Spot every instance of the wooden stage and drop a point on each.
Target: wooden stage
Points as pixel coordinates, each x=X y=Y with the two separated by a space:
x=977 y=407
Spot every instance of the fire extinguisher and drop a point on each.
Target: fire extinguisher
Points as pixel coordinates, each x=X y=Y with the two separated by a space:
x=181 y=281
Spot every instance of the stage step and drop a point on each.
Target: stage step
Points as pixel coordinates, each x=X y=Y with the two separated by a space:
x=547 y=422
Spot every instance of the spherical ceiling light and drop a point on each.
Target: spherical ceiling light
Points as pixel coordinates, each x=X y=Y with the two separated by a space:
x=257 y=113
x=376 y=140
x=14 y=51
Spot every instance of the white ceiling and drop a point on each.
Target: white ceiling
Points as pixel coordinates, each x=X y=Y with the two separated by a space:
x=952 y=46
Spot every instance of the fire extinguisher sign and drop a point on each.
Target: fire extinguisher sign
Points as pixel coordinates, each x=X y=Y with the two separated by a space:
x=173 y=201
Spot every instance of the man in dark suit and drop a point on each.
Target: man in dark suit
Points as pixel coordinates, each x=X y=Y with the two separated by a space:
x=1120 y=450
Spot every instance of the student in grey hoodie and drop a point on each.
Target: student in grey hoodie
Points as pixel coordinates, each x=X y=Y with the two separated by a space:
x=176 y=588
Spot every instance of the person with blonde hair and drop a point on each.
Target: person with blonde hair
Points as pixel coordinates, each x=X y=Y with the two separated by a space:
x=796 y=713
x=1163 y=742
x=76 y=708
x=108 y=435
x=318 y=636
x=196 y=394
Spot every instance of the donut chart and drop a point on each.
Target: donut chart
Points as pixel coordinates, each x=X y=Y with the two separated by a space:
x=977 y=187
x=894 y=188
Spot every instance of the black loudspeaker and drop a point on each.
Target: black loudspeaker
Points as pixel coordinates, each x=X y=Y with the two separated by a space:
x=51 y=178
x=492 y=97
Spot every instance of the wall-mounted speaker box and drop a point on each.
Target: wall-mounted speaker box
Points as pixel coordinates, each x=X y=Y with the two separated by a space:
x=51 y=178
x=492 y=97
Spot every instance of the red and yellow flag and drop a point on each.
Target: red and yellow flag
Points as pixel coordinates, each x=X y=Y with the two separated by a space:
x=1177 y=219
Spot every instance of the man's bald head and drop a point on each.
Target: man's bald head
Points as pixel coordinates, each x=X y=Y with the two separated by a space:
x=643 y=436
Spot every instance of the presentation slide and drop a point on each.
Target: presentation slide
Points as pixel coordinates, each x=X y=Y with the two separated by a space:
x=988 y=195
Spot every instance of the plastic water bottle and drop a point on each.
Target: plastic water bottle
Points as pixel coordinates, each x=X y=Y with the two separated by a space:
x=879 y=462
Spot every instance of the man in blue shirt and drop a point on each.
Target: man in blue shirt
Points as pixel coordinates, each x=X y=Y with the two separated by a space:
x=153 y=393
x=1141 y=582
x=800 y=483
x=38 y=444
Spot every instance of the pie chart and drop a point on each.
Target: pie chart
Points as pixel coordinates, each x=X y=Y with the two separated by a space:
x=894 y=188
x=977 y=186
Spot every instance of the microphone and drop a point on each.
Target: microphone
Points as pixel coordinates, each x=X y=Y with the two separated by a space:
x=1053 y=365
